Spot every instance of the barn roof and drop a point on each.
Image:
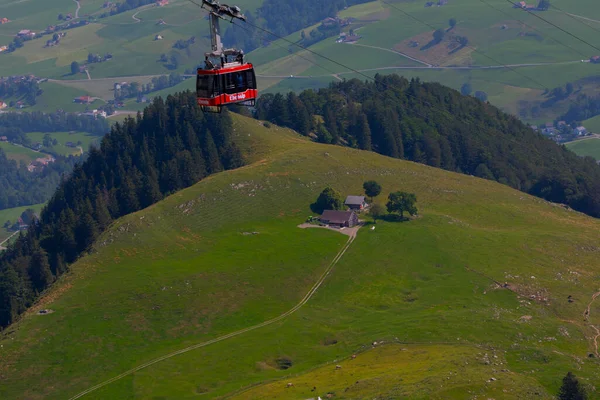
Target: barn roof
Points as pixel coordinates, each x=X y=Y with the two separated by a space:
x=355 y=200
x=336 y=217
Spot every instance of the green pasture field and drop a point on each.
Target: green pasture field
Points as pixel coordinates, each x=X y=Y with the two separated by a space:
x=592 y=124
x=586 y=147
x=86 y=139
x=19 y=153
x=11 y=214
x=189 y=269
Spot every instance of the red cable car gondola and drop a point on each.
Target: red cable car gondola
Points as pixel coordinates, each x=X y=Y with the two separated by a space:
x=227 y=81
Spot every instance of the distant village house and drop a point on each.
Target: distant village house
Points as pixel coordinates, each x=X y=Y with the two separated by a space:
x=83 y=100
x=40 y=163
x=4 y=21
x=3 y=139
x=25 y=33
x=595 y=59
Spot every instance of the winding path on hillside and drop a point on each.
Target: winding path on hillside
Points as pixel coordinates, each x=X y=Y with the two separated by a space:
x=586 y=316
x=302 y=302
x=78 y=8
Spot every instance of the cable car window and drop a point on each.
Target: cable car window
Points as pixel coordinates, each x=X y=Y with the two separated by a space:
x=207 y=86
x=202 y=86
x=250 y=84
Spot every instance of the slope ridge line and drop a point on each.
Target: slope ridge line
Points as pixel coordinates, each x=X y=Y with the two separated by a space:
x=302 y=302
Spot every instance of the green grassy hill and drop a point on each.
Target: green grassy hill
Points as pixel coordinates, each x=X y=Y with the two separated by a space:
x=226 y=254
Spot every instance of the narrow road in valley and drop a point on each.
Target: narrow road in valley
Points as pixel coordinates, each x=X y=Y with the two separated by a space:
x=392 y=51
x=78 y=8
x=88 y=74
x=302 y=302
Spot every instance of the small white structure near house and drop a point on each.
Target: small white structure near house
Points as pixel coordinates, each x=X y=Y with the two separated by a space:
x=158 y=37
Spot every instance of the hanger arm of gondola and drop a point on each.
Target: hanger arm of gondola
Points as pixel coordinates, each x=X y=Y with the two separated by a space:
x=226 y=78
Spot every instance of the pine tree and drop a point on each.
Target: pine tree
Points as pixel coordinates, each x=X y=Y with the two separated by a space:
x=363 y=133
x=211 y=155
x=86 y=232
x=39 y=270
x=150 y=190
x=571 y=389
x=128 y=201
x=100 y=210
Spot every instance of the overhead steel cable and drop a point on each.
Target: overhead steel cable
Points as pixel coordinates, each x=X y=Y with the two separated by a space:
x=270 y=41
x=554 y=25
x=535 y=29
x=578 y=19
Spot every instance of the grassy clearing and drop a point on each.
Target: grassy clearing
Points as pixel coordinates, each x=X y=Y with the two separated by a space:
x=586 y=147
x=86 y=140
x=404 y=371
x=19 y=153
x=182 y=272
x=593 y=124
x=12 y=214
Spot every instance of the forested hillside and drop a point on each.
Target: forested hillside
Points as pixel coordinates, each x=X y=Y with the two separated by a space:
x=171 y=146
x=19 y=187
x=435 y=125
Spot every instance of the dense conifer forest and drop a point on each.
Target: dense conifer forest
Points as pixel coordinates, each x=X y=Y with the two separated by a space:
x=435 y=125
x=170 y=147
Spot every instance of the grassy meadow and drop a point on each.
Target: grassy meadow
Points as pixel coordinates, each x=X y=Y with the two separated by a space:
x=85 y=138
x=586 y=147
x=12 y=214
x=19 y=153
x=225 y=254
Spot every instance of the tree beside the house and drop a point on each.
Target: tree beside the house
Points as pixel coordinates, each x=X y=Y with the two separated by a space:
x=377 y=211
x=329 y=199
x=372 y=189
x=74 y=67
x=544 y=5
x=401 y=202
